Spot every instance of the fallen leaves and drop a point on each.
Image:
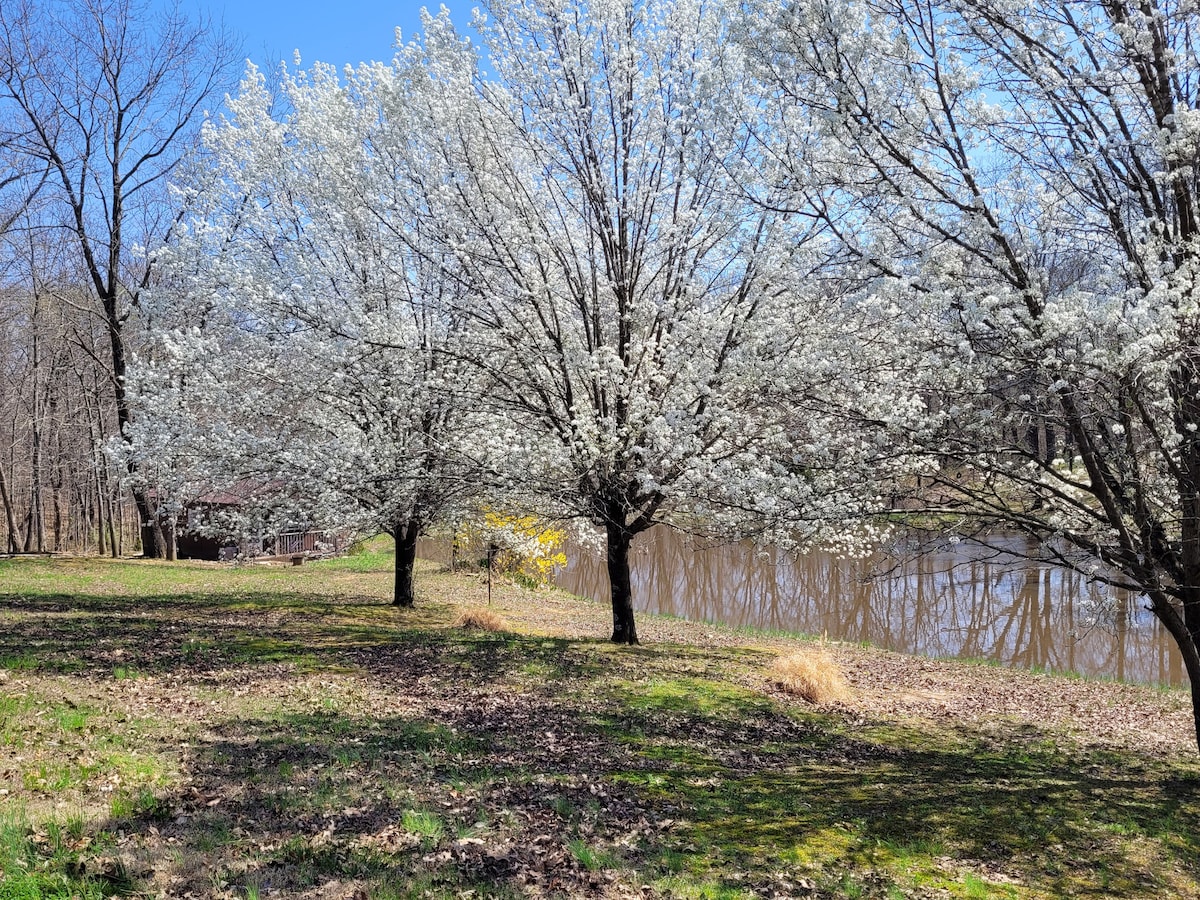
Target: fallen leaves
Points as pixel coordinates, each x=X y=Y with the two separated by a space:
x=540 y=765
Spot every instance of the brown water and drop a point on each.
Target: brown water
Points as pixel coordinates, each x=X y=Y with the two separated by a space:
x=960 y=601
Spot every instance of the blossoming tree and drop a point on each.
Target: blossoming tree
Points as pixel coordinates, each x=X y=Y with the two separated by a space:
x=662 y=349
x=548 y=279
x=1023 y=178
x=309 y=331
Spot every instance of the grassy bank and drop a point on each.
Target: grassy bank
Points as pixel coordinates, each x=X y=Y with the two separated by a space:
x=252 y=732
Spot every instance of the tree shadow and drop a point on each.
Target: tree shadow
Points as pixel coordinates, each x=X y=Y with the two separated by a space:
x=515 y=749
x=189 y=633
x=495 y=776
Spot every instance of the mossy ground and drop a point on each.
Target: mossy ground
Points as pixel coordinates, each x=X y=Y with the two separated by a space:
x=175 y=729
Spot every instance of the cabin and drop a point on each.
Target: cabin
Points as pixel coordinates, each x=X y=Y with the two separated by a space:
x=206 y=530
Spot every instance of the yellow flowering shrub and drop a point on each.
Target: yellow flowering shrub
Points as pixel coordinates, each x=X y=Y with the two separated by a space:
x=527 y=547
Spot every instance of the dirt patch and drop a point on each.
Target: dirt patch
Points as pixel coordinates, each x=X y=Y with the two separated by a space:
x=947 y=692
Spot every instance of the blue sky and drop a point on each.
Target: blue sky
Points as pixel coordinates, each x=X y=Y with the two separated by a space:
x=339 y=32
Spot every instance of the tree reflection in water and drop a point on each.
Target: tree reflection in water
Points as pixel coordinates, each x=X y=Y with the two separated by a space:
x=958 y=600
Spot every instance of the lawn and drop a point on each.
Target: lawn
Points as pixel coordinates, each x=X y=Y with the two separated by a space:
x=198 y=729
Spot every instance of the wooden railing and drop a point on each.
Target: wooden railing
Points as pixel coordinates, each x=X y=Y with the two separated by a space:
x=296 y=542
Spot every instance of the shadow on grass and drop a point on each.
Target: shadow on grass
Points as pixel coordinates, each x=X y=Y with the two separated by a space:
x=462 y=797
x=198 y=633
x=193 y=633
x=519 y=747
x=413 y=806
x=1047 y=823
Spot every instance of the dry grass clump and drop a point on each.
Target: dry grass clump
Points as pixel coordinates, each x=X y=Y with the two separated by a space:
x=811 y=674
x=481 y=619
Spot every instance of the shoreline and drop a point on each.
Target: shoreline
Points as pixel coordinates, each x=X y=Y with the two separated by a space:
x=887 y=684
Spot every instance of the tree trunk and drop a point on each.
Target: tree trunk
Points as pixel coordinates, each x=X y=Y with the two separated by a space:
x=57 y=482
x=154 y=546
x=115 y=537
x=1189 y=648
x=35 y=536
x=111 y=510
x=624 y=629
x=1186 y=631
x=57 y=524
x=10 y=517
x=28 y=543
x=406 y=559
x=99 y=506
x=1192 y=665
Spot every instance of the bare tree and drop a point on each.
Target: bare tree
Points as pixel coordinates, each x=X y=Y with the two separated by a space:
x=107 y=96
x=53 y=385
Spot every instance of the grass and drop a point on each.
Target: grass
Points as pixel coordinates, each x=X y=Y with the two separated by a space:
x=57 y=860
x=252 y=731
x=811 y=674
x=481 y=618
x=591 y=859
x=426 y=825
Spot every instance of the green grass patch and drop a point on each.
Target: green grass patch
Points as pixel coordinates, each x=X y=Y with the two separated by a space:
x=375 y=554
x=253 y=729
x=425 y=824
x=700 y=697
x=56 y=861
x=14 y=710
x=256 y=649
x=19 y=662
x=591 y=859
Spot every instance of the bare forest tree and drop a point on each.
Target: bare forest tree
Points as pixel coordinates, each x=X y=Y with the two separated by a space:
x=104 y=97
x=57 y=489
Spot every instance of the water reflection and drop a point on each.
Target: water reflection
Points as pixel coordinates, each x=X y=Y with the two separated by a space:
x=960 y=600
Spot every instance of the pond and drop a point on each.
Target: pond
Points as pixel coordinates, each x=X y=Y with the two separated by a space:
x=958 y=600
